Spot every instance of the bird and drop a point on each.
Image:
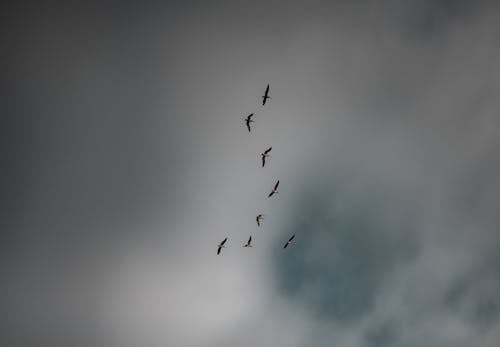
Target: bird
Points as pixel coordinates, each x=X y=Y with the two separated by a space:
x=259 y=219
x=248 y=121
x=265 y=96
x=249 y=242
x=289 y=241
x=221 y=246
x=265 y=154
x=275 y=189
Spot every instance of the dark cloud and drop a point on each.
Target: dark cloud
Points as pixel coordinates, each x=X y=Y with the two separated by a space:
x=385 y=334
x=346 y=248
x=474 y=294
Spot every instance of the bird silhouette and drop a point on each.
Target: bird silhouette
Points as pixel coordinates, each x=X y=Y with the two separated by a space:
x=265 y=96
x=264 y=155
x=289 y=241
x=248 y=121
x=275 y=189
x=259 y=219
x=249 y=242
x=221 y=246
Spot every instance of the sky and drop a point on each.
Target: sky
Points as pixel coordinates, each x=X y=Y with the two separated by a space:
x=127 y=161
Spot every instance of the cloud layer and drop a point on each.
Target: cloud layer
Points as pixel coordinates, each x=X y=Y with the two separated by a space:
x=130 y=162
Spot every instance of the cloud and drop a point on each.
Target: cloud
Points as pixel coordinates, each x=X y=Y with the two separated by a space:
x=135 y=163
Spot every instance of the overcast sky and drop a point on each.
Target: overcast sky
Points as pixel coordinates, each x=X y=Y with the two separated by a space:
x=127 y=162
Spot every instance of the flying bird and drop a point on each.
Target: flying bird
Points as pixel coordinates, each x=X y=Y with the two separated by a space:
x=248 y=121
x=221 y=246
x=265 y=96
x=289 y=241
x=264 y=155
x=259 y=219
x=275 y=189
x=249 y=242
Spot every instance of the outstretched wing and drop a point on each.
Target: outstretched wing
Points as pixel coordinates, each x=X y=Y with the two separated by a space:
x=268 y=150
x=285 y=246
x=248 y=125
x=250 y=240
x=263 y=160
x=223 y=242
x=270 y=194
x=265 y=96
x=276 y=185
x=218 y=250
x=291 y=238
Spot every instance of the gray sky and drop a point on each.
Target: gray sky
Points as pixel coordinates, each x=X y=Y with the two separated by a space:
x=127 y=162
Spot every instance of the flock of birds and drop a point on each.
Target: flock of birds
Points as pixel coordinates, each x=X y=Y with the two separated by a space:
x=259 y=218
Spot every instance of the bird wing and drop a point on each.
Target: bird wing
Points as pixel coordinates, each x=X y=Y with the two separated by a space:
x=291 y=238
x=267 y=90
x=270 y=194
x=248 y=125
x=276 y=185
x=263 y=161
x=268 y=150
x=286 y=245
x=250 y=116
x=250 y=240
x=223 y=241
x=218 y=250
